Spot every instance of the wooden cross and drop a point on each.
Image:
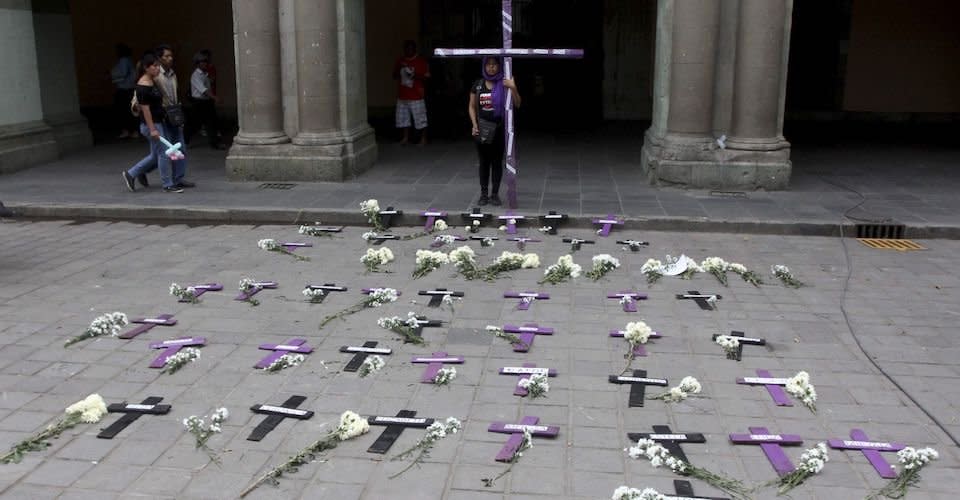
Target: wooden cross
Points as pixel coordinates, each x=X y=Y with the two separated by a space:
x=361 y=353
x=277 y=414
x=131 y=412
x=508 y=53
x=669 y=439
x=147 y=323
x=395 y=426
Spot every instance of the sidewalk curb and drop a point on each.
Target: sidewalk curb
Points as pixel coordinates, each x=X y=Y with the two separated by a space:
x=254 y=215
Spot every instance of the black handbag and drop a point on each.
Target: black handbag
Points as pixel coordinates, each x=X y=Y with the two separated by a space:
x=488 y=131
x=174 y=115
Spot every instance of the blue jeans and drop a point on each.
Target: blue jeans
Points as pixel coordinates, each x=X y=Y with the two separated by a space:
x=171 y=172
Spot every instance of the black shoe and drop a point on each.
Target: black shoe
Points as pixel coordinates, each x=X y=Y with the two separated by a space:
x=483 y=200
x=172 y=189
x=4 y=211
x=129 y=181
x=495 y=200
x=142 y=178
x=186 y=184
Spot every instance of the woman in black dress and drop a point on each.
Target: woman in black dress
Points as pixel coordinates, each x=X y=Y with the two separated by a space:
x=486 y=109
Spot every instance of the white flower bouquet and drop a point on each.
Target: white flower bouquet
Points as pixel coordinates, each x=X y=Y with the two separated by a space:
x=107 y=324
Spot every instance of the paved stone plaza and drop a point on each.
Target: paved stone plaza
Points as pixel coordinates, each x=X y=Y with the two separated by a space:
x=56 y=276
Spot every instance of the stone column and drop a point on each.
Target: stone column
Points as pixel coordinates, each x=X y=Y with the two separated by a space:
x=58 y=76
x=25 y=139
x=256 y=38
x=680 y=142
x=333 y=140
x=261 y=146
x=759 y=90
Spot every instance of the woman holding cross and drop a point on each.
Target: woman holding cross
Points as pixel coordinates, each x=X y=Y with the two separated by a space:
x=486 y=109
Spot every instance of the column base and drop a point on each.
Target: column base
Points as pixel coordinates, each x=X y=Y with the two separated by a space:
x=330 y=162
x=71 y=132
x=23 y=145
x=700 y=163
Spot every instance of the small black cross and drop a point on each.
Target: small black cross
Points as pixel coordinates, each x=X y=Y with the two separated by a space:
x=669 y=439
x=436 y=295
x=380 y=238
x=475 y=215
x=575 y=243
x=131 y=413
x=684 y=491
x=277 y=414
x=369 y=347
x=638 y=385
x=634 y=245
x=386 y=216
x=700 y=299
x=395 y=426
x=327 y=288
x=743 y=340
x=553 y=220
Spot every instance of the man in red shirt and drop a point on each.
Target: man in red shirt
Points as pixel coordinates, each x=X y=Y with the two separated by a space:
x=411 y=71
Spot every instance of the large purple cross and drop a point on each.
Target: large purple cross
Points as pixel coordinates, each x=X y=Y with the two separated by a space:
x=147 y=323
x=171 y=347
x=871 y=449
x=527 y=333
x=638 y=350
x=773 y=385
x=434 y=364
x=770 y=443
x=516 y=434
x=293 y=345
x=508 y=53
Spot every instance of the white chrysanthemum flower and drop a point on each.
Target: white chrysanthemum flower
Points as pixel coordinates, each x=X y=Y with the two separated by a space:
x=91 y=409
x=530 y=261
x=637 y=332
x=440 y=225
x=351 y=426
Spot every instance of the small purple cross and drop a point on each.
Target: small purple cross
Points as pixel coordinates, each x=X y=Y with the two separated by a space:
x=628 y=299
x=772 y=384
x=526 y=298
x=525 y=372
x=527 y=333
x=148 y=323
x=607 y=224
x=516 y=434
x=522 y=241
x=510 y=220
x=638 y=350
x=432 y=216
x=260 y=285
x=871 y=449
x=770 y=443
x=434 y=364
x=203 y=288
x=291 y=245
x=293 y=345
x=171 y=347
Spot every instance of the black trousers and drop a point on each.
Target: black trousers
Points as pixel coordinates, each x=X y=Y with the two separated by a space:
x=205 y=112
x=491 y=163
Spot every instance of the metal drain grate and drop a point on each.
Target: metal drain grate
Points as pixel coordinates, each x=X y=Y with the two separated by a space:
x=887 y=244
x=276 y=185
x=881 y=231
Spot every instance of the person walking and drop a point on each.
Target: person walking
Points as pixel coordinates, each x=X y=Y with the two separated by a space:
x=153 y=127
x=486 y=110
x=173 y=111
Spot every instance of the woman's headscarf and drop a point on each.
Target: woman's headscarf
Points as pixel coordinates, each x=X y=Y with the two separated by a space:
x=498 y=92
